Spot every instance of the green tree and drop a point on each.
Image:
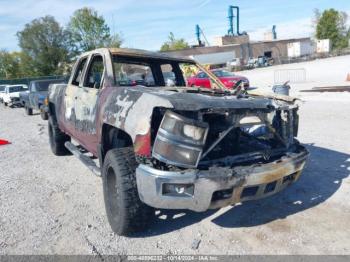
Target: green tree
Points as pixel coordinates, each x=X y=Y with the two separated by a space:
x=45 y=46
x=89 y=31
x=331 y=24
x=9 y=65
x=115 y=41
x=174 y=44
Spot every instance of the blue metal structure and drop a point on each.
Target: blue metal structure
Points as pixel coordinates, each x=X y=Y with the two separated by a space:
x=198 y=35
x=200 y=32
x=274 y=33
x=231 y=17
x=230 y=21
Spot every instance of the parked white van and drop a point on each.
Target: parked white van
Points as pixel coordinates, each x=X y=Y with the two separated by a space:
x=11 y=95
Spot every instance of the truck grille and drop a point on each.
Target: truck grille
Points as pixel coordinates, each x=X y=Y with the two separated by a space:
x=250 y=138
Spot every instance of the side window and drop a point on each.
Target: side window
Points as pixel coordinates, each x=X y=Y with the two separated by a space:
x=95 y=73
x=129 y=74
x=79 y=72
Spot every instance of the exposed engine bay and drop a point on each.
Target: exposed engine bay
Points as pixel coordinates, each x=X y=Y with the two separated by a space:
x=216 y=137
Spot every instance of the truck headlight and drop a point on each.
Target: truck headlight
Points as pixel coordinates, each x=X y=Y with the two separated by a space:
x=46 y=101
x=180 y=140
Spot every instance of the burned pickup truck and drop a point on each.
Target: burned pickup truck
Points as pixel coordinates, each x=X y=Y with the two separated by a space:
x=169 y=146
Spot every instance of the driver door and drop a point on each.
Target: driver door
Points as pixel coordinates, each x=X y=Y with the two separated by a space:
x=70 y=97
x=86 y=104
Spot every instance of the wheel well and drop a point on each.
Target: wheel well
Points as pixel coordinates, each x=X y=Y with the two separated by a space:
x=113 y=137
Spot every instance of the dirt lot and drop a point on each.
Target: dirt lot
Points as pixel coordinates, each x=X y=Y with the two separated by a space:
x=54 y=205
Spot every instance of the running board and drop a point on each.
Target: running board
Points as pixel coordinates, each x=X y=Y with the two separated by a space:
x=87 y=161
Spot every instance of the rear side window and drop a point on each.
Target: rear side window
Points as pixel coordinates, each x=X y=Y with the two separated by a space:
x=131 y=74
x=79 y=72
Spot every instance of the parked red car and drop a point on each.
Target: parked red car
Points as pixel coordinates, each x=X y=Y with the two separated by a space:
x=229 y=79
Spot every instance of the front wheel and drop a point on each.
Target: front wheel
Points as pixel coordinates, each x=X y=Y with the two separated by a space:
x=29 y=111
x=44 y=115
x=126 y=213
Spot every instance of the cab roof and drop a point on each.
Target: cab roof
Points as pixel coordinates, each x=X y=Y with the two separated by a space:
x=141 y=54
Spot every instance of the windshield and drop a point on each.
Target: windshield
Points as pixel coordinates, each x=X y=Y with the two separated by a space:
x=223 y=73
x=13 y=89
x=147 y=72
x=155 y=72
x=41 y=86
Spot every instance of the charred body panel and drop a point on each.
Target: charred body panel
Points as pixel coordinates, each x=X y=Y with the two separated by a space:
x=186 y=140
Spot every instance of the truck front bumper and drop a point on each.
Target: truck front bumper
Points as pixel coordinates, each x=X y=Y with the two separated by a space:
x=11 y=101
x=200 y=190
x=15 y=101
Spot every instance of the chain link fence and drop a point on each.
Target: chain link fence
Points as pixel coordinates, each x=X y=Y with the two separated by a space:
x=26 y=81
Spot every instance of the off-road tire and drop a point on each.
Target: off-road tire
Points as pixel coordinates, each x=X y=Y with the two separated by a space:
x=29 y=111
x=57 y=139
x=44 y=115
x=125 y=211
x=5 y=104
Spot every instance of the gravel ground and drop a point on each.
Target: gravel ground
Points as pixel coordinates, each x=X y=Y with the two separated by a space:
x=54 y=205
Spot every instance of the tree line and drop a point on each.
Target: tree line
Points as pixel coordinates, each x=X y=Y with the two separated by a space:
x=48 y=48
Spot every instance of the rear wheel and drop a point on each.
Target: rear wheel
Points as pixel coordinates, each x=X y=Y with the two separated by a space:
x=57 y=139
x=125 y=211
x=44 y=115
x=29 y=111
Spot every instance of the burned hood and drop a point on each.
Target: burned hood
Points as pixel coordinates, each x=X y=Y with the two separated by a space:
x=197 y=99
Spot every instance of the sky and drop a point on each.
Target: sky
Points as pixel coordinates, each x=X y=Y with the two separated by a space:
x=146 y=24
